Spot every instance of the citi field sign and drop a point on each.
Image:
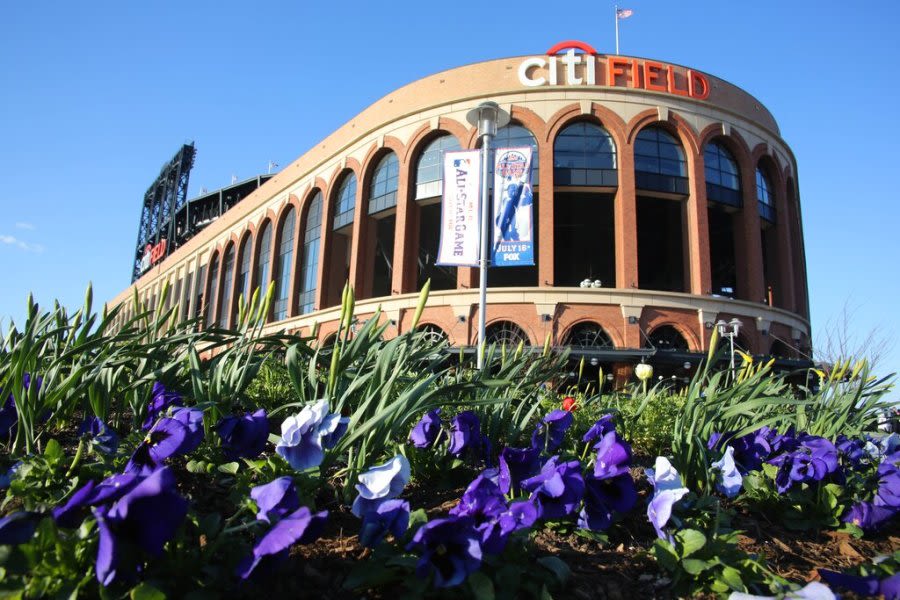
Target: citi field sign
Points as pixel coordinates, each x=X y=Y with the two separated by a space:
x=566 y=67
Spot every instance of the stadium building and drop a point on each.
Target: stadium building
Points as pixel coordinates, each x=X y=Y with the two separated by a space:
x=664 y=201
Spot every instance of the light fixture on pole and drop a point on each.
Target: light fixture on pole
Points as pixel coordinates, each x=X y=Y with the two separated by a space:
x=488 y=116
x=730 y=330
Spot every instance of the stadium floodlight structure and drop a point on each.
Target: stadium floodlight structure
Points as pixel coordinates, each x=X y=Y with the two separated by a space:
x=163 y=199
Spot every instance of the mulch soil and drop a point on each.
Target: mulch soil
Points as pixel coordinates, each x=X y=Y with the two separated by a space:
x=621 y=569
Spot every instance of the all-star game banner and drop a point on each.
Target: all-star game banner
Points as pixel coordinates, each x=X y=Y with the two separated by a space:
x=513 y=220
x=460 y=210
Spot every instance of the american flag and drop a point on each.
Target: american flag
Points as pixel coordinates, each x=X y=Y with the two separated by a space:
x=624 y=13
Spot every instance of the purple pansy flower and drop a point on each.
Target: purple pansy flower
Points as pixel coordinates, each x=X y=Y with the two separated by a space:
x=797 y=467
x=549 y=433
x=667 y=490
x=160 y=400
x=426 y=431
x=18 y=527
x=482 y=500
x=244 y=437
x=870 y=585
x=168 y=437
x=868 y=516
x=380 y=483
x=728 y=477
x=109 y=490
x=750 y=451
x=448 y=548
x=145 y=518
x=299 y=527
x=603 y=497
x=465 y=433
x=192 y=419
x=613 y=456
x=391 y=516
x=102 y=437
x=275 y=499
x=557 y=489
x=496 y=531
x=306 y=435
x=852 y=450
x=603 y=426
x=888 y=493
x=517 y=464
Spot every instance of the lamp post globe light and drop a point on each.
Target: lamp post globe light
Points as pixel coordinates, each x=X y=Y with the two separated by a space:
x=729 y=330
x=488 y=116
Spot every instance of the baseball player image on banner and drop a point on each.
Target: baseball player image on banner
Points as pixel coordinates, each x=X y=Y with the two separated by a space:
x=460 y=210
x=513 y=200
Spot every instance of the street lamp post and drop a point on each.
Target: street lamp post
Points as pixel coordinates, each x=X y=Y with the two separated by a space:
x=730 y=330
x=488 y=117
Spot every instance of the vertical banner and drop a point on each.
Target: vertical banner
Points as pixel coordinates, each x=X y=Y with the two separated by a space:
x=513 y=220
x=460 y=210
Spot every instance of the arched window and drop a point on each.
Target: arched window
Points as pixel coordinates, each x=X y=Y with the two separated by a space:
x=584 y=154
x=265 y=255
x=667 y=338
x=430 y=168
x=383 y=193
x=283 y=266
x=346 y=201
x=309 y=269
x=211 y=291
x=244 y=276
x=505 y=333
x=764 y=195
x=723 y=179
x=589 y=335
x=659 y=162
x=432 y=333
x=780 y=350
x=227 y=280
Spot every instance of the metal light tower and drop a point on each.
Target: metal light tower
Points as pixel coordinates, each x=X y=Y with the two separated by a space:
x=488 y=116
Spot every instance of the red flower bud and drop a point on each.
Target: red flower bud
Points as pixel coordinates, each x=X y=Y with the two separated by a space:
x=569 y=404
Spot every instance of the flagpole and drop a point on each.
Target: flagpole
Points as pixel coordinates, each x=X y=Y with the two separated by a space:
x=616 y=17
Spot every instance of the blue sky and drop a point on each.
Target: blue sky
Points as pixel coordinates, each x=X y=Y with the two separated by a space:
x=96 y=96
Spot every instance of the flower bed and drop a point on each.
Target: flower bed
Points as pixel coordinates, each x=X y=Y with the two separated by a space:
x=140 y=461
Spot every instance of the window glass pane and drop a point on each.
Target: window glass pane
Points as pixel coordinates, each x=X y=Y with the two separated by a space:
x=283 y=266
x=310 y=265
x=430 y=167
x=244 y=277
x=583 y=149
x=346 y=201
x=227 y=280
x=262 y=267
x=384 y=184
x=656 y=151
x=211 y=291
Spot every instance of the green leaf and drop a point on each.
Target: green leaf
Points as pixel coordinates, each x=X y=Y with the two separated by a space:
x=732 y=577
x=229 y=468
x=417 y=518
x=481 y=585
x=691 y=540
x=556 y=566
x=53 y=452
x=694 y=566
x=196 y=466
x=145 y=591
x=665 y=555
